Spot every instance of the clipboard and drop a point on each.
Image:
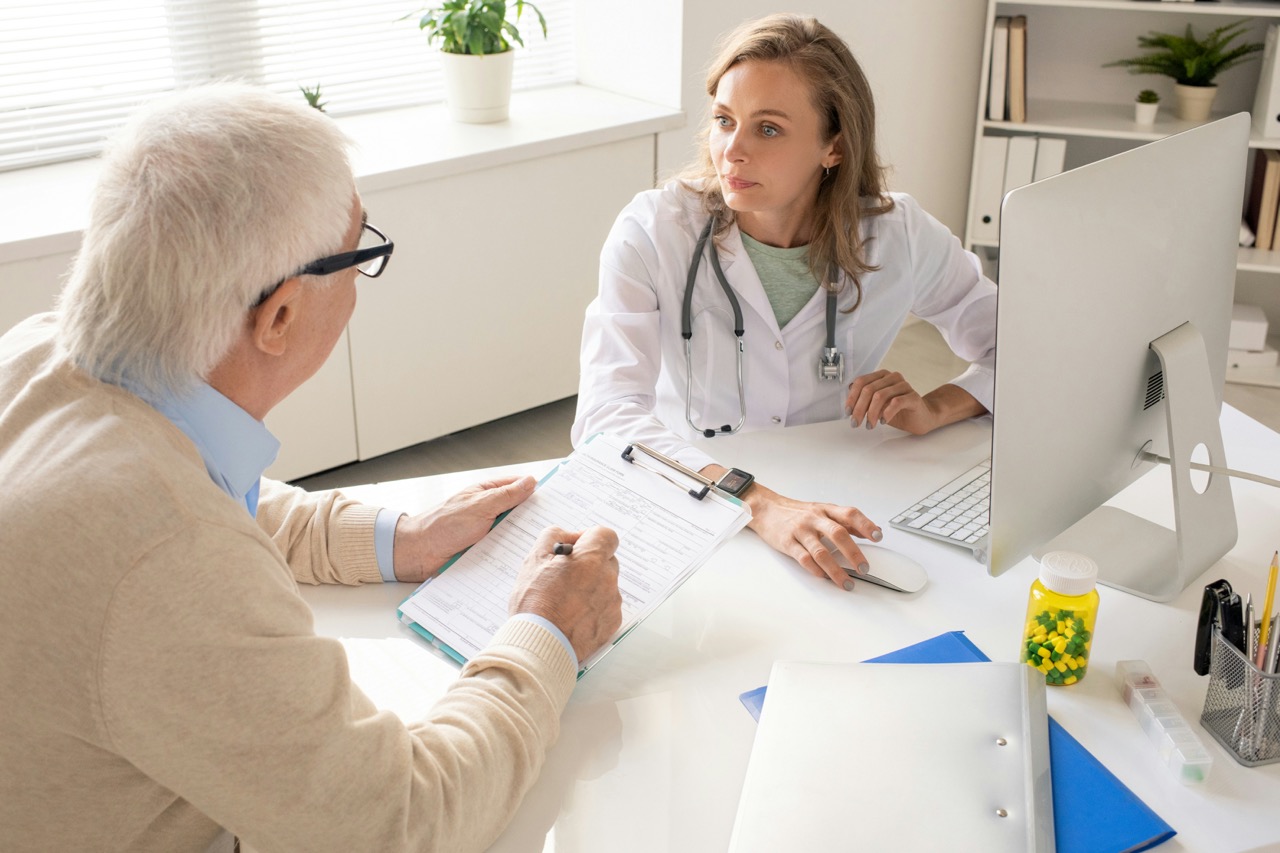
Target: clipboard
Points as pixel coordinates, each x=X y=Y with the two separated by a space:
x=664 y=535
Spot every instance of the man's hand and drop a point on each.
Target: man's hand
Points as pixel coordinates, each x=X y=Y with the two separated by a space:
x=424 y=543
x=578 y=593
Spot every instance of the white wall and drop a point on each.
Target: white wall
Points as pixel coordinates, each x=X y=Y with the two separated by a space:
x=922 y=58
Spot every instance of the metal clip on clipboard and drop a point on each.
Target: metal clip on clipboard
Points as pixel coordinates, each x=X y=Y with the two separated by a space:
x=697 y=494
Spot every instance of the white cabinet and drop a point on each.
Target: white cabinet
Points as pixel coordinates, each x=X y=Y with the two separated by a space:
x=479 y=314
x=1071 y=95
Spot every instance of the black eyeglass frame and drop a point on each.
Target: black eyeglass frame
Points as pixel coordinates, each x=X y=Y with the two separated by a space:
x=340 y=262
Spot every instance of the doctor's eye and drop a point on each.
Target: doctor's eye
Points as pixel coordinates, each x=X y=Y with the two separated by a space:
x=769 y=130
x=720 y=121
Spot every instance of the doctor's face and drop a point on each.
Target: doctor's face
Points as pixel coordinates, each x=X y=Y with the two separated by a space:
x=766 y=142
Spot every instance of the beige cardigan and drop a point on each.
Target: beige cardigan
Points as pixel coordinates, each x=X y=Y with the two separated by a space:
x=160 y=677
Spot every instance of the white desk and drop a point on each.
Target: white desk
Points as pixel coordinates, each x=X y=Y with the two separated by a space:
x=655 y=743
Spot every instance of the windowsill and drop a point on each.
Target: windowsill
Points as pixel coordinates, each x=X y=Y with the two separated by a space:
x=46 y=207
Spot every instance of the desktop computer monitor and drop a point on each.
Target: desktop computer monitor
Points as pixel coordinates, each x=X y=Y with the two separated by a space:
x=1114 y=309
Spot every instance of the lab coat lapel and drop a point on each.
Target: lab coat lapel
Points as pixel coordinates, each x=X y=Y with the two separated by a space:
x=744 y=279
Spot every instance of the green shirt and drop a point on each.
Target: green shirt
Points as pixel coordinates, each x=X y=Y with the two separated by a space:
x=785 y=275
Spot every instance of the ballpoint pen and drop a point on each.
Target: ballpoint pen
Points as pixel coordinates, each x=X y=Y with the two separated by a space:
x=1265 y=616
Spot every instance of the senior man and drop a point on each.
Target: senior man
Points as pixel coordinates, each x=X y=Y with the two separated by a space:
x=161 y=685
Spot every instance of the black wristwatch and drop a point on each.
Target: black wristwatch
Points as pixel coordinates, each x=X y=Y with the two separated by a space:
x=735 y=482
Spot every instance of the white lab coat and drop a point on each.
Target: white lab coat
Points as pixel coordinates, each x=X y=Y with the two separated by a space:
x=633 y=370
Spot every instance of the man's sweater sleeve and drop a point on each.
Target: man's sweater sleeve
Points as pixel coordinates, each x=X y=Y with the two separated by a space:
x=213 y=683
x=324 y=536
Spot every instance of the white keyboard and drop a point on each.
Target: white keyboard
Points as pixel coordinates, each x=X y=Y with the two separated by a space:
x=956 y=513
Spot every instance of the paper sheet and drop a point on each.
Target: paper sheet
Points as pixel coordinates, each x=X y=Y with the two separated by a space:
x=663 y=534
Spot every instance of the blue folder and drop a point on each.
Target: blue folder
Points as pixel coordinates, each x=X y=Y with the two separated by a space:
x=1093 y=811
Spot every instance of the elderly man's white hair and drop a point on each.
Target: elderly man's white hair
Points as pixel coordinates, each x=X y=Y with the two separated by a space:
x=206 y=199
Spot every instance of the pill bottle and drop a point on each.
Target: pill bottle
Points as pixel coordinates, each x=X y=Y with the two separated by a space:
x=1061 y=610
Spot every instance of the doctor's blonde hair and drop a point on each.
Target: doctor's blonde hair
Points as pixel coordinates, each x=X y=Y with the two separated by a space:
x=841 y=94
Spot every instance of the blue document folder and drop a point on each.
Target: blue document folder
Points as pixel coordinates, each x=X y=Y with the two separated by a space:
x=1093 y=811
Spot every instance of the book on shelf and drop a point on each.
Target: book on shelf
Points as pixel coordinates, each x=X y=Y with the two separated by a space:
x=1018 y=69
x=998 y=80
x=1266 y=101
x=1264 y=192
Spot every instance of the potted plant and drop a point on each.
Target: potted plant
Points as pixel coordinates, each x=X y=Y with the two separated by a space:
x=1146 y=106
x=477 y=55
x=1192 y=63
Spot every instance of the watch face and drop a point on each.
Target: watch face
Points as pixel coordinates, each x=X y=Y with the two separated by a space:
x=734 y=481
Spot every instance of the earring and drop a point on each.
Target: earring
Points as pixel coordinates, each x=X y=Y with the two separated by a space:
x=826 y=172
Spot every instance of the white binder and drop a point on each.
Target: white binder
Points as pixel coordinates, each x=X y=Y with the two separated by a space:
x=1051 y=154
x=1020 y=163
x=985 y=226
x=922 y=757
x=1266 y=101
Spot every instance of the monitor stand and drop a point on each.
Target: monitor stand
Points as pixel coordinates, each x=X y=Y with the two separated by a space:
x=1140 y=556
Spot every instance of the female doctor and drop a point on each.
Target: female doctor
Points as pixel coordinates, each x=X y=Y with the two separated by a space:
x=762 y=288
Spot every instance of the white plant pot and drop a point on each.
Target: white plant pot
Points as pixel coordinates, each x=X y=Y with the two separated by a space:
x=1194 y=102
x=1145 y=114
x=478 y=88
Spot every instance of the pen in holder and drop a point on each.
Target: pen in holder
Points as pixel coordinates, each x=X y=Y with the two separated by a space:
x=1242 y=707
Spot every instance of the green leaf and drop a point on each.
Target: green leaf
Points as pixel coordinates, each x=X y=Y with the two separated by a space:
x=1188 y=60
x=475 y=26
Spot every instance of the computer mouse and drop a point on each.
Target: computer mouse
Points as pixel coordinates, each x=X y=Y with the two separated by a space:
x=889 y=569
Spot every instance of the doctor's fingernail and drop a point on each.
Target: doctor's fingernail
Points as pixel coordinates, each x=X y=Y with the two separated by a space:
x=853 y=423
x=882 y=421
x=848 y=411
x=848 y=586
x=870 y=423
x=876 y=536
x=863 y=568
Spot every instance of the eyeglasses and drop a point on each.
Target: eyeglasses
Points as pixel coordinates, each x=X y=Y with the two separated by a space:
x=369 y=259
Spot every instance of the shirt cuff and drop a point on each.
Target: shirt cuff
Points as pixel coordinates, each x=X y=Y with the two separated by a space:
x=555 y=632
x=384 y=538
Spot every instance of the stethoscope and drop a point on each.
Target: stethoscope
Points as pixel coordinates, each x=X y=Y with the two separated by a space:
x=830 y=363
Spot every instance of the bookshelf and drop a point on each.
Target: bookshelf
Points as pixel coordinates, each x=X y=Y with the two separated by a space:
x=1071 y=96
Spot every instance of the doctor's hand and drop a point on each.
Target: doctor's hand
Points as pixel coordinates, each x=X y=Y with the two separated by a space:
x=886 y=397
x=806 y=531
x=576 y=592
x=424 y=543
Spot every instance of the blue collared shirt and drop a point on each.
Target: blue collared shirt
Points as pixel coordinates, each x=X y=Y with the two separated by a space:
x=237 y=447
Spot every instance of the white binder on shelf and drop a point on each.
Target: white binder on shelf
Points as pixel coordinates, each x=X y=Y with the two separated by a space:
x=989 y=190
x=998 y=81
x=975 y=774
x=1051 y=154
x=1020 y=163
x=1266 y=101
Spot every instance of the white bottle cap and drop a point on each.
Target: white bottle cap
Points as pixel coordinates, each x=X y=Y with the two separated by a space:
x=1068 y=573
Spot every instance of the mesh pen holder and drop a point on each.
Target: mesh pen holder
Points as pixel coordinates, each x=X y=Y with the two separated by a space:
x=1242 y=707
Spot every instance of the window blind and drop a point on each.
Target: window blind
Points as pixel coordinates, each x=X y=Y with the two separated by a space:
x=71 y=71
